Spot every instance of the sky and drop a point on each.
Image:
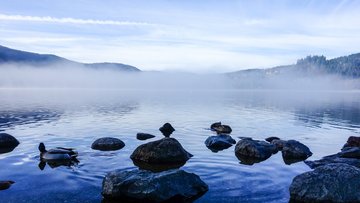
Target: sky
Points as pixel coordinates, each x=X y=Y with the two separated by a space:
x=183 y=35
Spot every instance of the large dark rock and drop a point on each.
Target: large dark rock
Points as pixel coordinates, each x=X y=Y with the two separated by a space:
x=164 y=151
x=107 y=144
x=352 y=142
x=144 y=136
x=219 y=142
x=350 y=152
x=255 y=149
x=329 y=183
x=220 y=129
x=7 y=143
x=278 y=143
x=145 y=186
x=294 y=151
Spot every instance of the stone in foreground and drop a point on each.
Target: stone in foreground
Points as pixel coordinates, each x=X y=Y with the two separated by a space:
x=164 y=151
x=144 y=136
x=256 y=149
x=7 y=143
x=219 y=142
x=329 y=183
x=107 y=144
x=145 y=186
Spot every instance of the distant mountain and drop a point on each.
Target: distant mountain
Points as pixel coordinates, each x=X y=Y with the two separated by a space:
x=12 y=56
x=346 y=66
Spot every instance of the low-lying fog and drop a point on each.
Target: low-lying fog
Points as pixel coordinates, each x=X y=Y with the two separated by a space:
x=62 y=76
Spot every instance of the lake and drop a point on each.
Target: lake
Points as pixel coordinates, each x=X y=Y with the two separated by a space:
x=75 y=118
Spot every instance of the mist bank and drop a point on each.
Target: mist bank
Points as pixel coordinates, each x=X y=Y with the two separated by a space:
x=64 y=76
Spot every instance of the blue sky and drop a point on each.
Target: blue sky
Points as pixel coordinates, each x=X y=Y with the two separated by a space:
x=183 y=35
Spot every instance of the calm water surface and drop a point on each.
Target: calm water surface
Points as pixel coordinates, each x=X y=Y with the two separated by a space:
x=321 y=120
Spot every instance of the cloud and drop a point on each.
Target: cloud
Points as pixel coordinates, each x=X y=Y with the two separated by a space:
x=49 y=19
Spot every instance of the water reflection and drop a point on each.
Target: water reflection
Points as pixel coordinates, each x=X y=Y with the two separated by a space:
x=54 y=164
x=11 y=118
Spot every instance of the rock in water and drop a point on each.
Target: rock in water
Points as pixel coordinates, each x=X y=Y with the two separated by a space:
x=145 y=186
x=270 y=139
x=164 y=151
x=144 y=136
x=107 y=144
x=167 y=129
x=7 y=143
x=294 y=151
x=352 y=142
x=219 y=142
x=329 y=183
x=220 y=129
x=6 y=184
x=255 y=149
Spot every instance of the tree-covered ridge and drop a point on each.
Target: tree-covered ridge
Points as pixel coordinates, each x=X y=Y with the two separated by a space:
x=348 y=66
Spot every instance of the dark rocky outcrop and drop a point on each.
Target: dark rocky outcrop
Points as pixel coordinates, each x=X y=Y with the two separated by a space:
x=294 y=151
x=352 y=142
x=328 y=183
x=279 y=143
x=164 y=151
x=145 y=186
x=107 y=144
x=219 y=142
x=254 y=149
x=7 y=143
x=144 y=136
x=6 y=184
x=220 y=129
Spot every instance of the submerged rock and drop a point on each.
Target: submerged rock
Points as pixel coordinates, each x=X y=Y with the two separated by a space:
x=329 y=183
x=294 y=151
x=220 y=129
x=145 y=186
x=107 y=144
x=352 y=142
x=6 y=184
x=255 y=149
x=144 y=136
x=7 y=143
x=219 y=142
x=164 y=151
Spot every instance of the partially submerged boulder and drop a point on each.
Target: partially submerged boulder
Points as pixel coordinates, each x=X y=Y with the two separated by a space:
x=333 y=159
x=220 y=129
x=145 y=186
x=328 y=183
x=144 y=136
x=164 y=151
x=107 y=144
x=294 y=151
x=7 y=143
x=219 y=142
x=254 y=149
x=6 y=184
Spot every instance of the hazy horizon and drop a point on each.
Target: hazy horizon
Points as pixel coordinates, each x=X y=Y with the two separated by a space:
x=183 y=36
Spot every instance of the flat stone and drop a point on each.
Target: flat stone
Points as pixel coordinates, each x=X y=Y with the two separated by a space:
x=219 y=142
x=145 y=186
x=107 y=144
x=144 y=136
